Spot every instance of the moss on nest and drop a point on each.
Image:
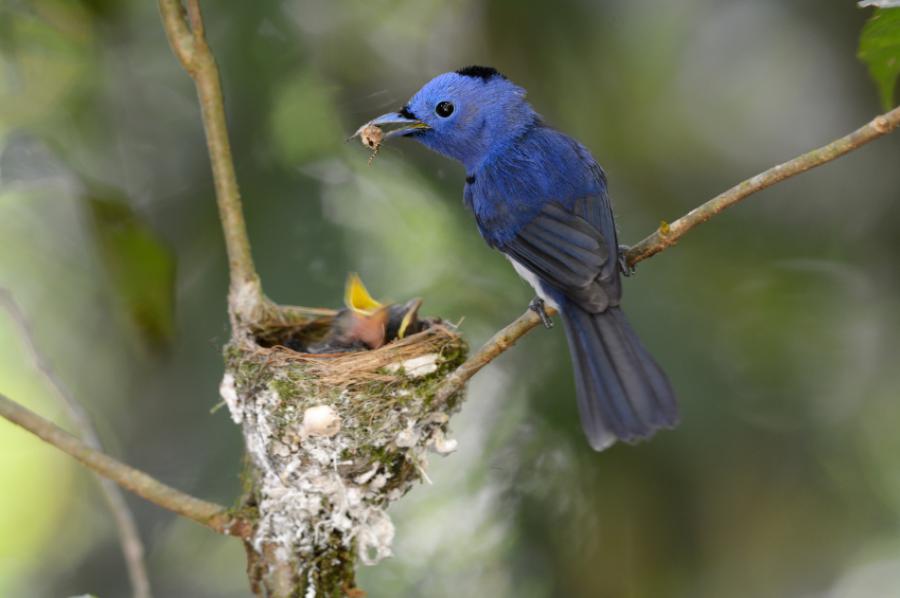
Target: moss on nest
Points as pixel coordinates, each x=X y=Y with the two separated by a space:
x=333 y=440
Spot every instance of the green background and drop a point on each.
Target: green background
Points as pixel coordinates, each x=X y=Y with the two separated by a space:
x=778 y=322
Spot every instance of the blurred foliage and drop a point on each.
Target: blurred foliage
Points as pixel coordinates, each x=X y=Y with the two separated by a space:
x=30 y=520
x=303 y=122
x=141 y=268
x=776 y=322
x=879 y=48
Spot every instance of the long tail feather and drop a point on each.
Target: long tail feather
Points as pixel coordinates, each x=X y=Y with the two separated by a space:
x=622 y=393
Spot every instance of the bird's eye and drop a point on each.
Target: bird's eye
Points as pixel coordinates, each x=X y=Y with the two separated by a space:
x=444 y=109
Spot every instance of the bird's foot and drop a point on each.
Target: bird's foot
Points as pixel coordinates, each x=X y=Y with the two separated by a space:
x=624 y=267
x=537 y=306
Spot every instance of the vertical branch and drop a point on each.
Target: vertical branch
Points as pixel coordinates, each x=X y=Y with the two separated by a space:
x=129 y=539
x=247 y=305
x=180 y=38
x=190 y=46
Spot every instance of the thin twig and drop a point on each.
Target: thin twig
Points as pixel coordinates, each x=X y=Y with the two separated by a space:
x=190 y=46
x=505 y=338
x=248 y=306
x=129 y=539
x=147 y=487
x=668 y=235
x=180 y=38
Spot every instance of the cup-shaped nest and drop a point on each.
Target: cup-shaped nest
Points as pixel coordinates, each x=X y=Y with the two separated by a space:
x=334 y=438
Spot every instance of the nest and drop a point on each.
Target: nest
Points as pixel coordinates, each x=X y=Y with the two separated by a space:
x=333 y=439
x=342 y=370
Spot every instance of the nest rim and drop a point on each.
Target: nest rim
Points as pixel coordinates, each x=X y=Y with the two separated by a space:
x=438 y=337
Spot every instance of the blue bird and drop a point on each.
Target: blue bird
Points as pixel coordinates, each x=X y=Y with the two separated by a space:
x=540 y=198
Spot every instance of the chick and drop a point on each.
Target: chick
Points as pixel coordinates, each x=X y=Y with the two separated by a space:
x=365 y=323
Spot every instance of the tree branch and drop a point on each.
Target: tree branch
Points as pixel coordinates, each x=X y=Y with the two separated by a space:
x=129 y=539
x=190 y=46
x=669 y=234
x=505 y=338
x=209 y=514
x=248 y=306
x=180 y=38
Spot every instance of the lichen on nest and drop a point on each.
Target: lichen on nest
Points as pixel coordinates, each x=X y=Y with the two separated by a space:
x=334 y=439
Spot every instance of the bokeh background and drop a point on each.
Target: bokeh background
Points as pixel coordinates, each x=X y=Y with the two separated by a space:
x=778 y=322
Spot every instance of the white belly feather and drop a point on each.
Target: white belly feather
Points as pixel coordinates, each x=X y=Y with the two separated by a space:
x=534 y=281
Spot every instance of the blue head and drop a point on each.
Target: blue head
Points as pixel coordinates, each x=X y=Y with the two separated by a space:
x=465 y=115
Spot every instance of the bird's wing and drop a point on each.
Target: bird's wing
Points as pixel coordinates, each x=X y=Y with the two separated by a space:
x=567 y=249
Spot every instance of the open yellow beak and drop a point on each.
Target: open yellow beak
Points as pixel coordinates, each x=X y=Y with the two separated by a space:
x=412 y=312
x=357 y=297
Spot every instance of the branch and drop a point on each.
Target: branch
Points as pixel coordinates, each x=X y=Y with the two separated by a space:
x=180 y=38
x=209 y=514
x=669 y=234
x=190 y=46
x=249 y=308
x=501 y=341
x=129 y=539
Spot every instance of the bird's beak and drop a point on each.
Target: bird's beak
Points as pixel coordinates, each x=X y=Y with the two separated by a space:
x=404 y=319
x=357 y=297
x=409 y=321
x=394 y=123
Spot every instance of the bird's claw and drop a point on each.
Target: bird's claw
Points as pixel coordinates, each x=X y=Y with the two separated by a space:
x=624 y=267
x=537 y=306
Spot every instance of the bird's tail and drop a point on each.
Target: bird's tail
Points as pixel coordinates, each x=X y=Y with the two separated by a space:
x=622 y=393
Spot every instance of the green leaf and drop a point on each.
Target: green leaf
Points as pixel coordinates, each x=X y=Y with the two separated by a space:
x=140 y=266
x=879 y=48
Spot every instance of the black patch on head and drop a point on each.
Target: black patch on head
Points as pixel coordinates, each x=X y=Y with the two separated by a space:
x=470 y=179
x=485 y=73
x=405 y=112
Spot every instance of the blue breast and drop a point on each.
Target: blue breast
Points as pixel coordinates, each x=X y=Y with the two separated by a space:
x=511 y=185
